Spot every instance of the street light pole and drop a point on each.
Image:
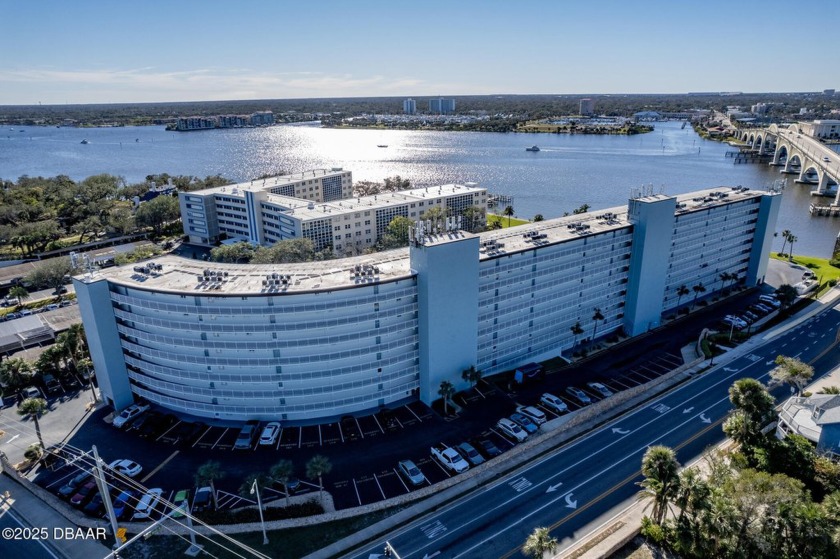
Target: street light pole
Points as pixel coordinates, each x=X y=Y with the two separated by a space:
x=256 y=488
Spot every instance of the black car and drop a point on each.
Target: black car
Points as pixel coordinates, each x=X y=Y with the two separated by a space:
x=349 y=428
x=96 y=506
x=187 y=433
x=486 y=447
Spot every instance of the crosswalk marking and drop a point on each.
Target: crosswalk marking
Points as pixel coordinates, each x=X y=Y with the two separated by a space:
x=520 y=484
x=434 y=529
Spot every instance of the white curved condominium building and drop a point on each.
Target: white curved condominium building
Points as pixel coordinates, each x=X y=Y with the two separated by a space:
x=318 y=340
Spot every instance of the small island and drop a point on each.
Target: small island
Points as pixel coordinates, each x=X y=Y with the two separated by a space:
x=584 y=125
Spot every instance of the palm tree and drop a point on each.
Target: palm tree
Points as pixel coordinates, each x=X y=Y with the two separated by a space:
x=508 y=211
x=792 y=371
x=282 y=471
x=660 y=468
x=472 y=375
x=496 y=224
x=693 y=493
x=34 y=407
x=786 y=294
x=210 y=472
x=539 y=542
x=577 y=330
x=15 y=373
x=446 y=391
x=791 y=239
x=785 y=235
x=596 y=317
x=681 y=292
x=698 y=289
x=317 y=467
x=20 y=293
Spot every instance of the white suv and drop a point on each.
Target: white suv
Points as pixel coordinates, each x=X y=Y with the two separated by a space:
x=553 y=402
x=511 y=429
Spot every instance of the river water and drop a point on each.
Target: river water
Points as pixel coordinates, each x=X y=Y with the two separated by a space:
x=570 y=170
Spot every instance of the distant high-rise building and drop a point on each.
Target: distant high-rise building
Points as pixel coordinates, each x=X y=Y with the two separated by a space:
x=759 y=108
x=442 y=106
x=409 y=106
x=587 y=107
x=828 y=92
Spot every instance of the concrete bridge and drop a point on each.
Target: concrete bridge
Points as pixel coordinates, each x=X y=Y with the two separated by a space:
x=798 y=153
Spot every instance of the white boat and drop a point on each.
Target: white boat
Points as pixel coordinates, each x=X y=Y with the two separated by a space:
x=85 y=141
x=381 y=145
x=533 y=148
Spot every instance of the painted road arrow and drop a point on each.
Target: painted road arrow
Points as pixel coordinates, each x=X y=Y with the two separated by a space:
x=728 y=370
x=435 y=554
x=553 y=487
x=13 y=438
x=620 y=431
x=770 y=362
x=569 y=503
x=688 y=410
x=704 y=419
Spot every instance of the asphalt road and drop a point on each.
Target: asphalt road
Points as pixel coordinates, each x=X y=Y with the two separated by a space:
x=582 y=481
x=19 y=539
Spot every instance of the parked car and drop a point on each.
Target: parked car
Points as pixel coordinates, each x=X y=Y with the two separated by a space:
x=203 y=499
x=808 y=275
x=128 y=468
x=600 y=389
x=65 y=304
x=122 y=504
x=411 y=472
x=739 y=323
x=486 y=447
x=147 y=504
x=129 y=414
x=759 y=308
x=450 y=459
x=349 y=428
x=532 y=413
x=469 y=452
x=524 y=422
x=84 y=493
x=180 y=498
x=247 y=434
x=96 y=506
x=732 y=323
x=751 y=315
x=26 y=312
x=772 y=301
x=511 y=429
x=31 y=392
x=826 y=159
x=578 y=395
x=269 y=433
x=69 y=489
x=553 y=402
x=51 y=307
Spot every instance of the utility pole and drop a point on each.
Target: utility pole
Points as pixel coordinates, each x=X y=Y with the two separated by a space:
x=256 y=487
x=99 y=476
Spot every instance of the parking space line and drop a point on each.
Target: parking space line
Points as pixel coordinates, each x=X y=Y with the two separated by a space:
x=320 y=437
x=637 y=372
x=618 y=382
x=161 y=465
x=300 y=436
x=279 y=438
x=380 y=486
x=397 y=419
x=399 y=477
x=340 y=431
x=167 y=431
x=378 y=424
x=442 y=469
x=357 y=492
x=201 y=437
x=220 y=438
x=359 y=427
x=414 y=414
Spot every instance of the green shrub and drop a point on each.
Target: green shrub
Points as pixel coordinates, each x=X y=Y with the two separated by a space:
x=34 y=452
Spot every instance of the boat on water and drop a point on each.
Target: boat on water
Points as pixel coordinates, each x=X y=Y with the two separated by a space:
x=533 y=148
x=381 y=145
x=85 y=141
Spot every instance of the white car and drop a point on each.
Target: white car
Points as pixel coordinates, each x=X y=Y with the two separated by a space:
x=147 y=503
x=511 y=429
x=600 y=389
x=739 y=323
x=270 y=432
x=826 y=159
x=125 y=467
x=768 y=300
x=129 y=414
x=532 y=413
x=553 y=402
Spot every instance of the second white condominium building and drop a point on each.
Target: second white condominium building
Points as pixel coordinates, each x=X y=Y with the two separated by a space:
x=316 y=205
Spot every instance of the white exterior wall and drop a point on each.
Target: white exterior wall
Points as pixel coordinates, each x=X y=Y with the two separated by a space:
x=528 y=301
x=707 y=243
x=290 y=357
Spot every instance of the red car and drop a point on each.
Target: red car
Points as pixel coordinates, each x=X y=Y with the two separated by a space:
x=84 y=494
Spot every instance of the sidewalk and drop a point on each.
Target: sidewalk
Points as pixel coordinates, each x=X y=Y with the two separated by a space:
x=605 y=539
x=38 y=514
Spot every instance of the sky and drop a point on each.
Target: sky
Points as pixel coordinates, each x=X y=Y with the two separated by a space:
x=85 y=51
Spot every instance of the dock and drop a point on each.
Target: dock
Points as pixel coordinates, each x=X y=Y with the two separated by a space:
x=832 y=210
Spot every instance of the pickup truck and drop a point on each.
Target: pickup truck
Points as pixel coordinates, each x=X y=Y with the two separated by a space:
x=450 y=459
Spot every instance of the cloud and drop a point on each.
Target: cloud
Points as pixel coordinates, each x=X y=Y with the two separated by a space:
x=150 y=84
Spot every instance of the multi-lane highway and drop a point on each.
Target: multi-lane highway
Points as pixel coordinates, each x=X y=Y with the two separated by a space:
x=578 y=483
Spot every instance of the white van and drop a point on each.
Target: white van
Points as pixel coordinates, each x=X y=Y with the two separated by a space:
x=147 y=504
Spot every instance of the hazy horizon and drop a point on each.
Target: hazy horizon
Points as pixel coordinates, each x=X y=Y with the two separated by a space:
x=88 y=52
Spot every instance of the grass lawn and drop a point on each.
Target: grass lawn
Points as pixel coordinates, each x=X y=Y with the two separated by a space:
x=820 y=266
x=491 y=218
